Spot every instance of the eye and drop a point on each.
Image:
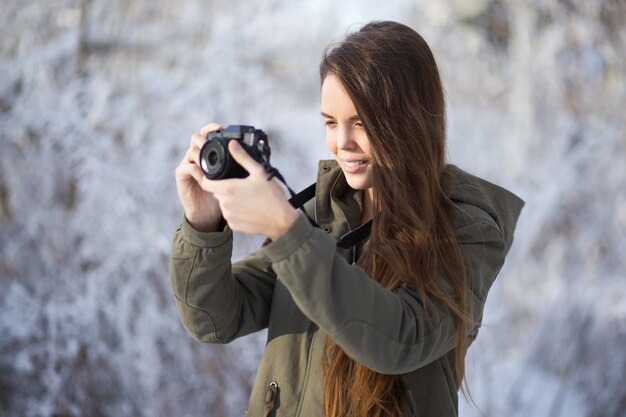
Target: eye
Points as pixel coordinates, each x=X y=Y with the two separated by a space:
x=330 y=123
x=358 y=124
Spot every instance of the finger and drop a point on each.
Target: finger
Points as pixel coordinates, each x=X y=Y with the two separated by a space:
x=219 y=187
x=196 y=173
x=246 y=161
x=193 y=156
x=211 y=127
x=186 y=170
x=197 y=141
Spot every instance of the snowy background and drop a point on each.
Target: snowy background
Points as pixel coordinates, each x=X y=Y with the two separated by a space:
x=98 y=100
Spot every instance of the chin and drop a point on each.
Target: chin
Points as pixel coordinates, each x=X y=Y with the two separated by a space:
x=357 y=183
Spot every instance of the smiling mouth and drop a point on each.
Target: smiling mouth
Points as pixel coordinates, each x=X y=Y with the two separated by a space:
x=354 y=167
x=353 y=164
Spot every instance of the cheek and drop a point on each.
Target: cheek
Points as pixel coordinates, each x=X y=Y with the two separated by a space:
x=368 y=150
x=365 y=146
x=331 y=142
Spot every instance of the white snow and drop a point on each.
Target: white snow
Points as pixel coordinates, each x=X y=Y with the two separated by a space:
x=536 y=93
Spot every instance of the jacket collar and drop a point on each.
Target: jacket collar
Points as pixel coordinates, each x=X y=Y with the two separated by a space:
x=335 y=199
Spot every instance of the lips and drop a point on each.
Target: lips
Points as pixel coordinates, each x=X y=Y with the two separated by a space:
x=353 y=166
x=353 y=163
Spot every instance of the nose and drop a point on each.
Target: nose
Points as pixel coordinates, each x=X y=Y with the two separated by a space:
x=345 y=140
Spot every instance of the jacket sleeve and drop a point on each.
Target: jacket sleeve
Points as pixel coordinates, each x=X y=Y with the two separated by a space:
x=386 y=331
x=218 y=301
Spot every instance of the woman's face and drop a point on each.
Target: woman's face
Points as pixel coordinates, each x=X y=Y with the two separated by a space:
x=345 y=136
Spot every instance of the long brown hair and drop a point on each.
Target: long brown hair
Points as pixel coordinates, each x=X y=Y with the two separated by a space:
x=391 y=76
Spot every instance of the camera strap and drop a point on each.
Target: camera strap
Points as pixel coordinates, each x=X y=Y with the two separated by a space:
x=296 y=200
x=346 y=241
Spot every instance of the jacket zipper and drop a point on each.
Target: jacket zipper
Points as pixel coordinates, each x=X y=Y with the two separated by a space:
x=270 y=398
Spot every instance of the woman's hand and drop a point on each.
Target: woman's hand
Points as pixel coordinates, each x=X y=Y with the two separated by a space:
x=252 y=204
x=202 y=209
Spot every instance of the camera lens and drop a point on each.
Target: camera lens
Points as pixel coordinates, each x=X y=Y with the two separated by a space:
x=213 y=158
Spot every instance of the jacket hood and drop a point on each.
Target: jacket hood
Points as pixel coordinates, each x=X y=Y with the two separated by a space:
x=501 y=205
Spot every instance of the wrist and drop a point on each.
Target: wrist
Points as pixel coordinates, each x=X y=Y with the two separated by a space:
x=205 y=226
x=283 y=223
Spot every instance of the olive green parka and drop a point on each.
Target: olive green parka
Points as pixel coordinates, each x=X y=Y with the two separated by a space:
x=302 y=287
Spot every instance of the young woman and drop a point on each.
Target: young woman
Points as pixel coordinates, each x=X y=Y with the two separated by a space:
x=379 y=328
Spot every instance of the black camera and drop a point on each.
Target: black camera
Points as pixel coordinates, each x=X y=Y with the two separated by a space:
x=217 y=163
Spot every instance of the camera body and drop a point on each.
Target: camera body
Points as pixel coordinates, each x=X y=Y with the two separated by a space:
x=217 y=163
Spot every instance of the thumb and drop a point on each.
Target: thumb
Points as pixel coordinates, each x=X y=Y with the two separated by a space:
x=242 y=157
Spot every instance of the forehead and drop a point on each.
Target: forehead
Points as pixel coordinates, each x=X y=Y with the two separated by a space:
x=335 y=101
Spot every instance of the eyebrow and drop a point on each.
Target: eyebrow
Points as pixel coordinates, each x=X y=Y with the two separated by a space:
x=351 y=119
